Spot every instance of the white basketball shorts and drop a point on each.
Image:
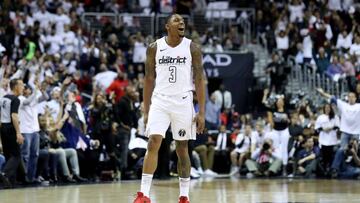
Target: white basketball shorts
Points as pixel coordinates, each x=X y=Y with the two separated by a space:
x=177 y=110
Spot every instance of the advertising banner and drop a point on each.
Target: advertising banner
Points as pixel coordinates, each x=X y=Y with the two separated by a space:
x=236 y=71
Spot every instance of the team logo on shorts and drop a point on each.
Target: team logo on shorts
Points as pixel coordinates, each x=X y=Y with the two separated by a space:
x=182 y=132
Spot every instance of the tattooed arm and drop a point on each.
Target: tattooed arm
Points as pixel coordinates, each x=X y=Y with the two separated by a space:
x=149 y=79
x=199 y=80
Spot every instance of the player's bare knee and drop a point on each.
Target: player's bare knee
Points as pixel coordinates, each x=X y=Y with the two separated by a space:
x=154 y=143
x=182 y=152
x=182 y=147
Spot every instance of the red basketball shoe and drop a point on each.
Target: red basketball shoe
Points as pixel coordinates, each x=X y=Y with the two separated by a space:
x=183 y=199
x=140 y=198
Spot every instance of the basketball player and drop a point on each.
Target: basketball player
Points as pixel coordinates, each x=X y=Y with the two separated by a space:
x=176 y=62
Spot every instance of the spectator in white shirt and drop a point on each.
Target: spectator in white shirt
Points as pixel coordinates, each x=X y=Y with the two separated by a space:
x=69 y=40
x=43 y=16
x=257 y=137
x=307 y=45
x=355 y=48
x=29 y=128
x=54 y=104
x=296 y=9
x=29 y=20
x=104 y=79
x=282 y=22
x=4 y=88
x=60 y=19
x=139 y=50
x=344 y=40
x=282 y=40
x=91 y=50
x=54 y=43
x=299 y=57
x=242 y=150
x=223 y=97
x=350 y=117
x=327 y=125
x=217 y=45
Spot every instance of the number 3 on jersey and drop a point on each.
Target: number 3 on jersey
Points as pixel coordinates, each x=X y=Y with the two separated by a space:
x=172 y=78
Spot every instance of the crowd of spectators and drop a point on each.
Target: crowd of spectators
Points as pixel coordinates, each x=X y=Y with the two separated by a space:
x=286 y=140
x=323 y=35
x=81 y=111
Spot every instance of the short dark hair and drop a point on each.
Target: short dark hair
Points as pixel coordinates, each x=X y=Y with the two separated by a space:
x=13 y=83
x=168 y=18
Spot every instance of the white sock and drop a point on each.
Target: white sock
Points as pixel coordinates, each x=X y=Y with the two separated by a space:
x=184 y=187
x=146 y=180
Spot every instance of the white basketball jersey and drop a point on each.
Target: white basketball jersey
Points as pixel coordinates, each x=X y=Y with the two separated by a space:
x=173 y=68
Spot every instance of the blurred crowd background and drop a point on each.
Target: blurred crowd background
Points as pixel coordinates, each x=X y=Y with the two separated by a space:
x=85 y=60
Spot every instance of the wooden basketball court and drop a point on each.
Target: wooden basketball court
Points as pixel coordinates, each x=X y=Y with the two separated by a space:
x=202 y=191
